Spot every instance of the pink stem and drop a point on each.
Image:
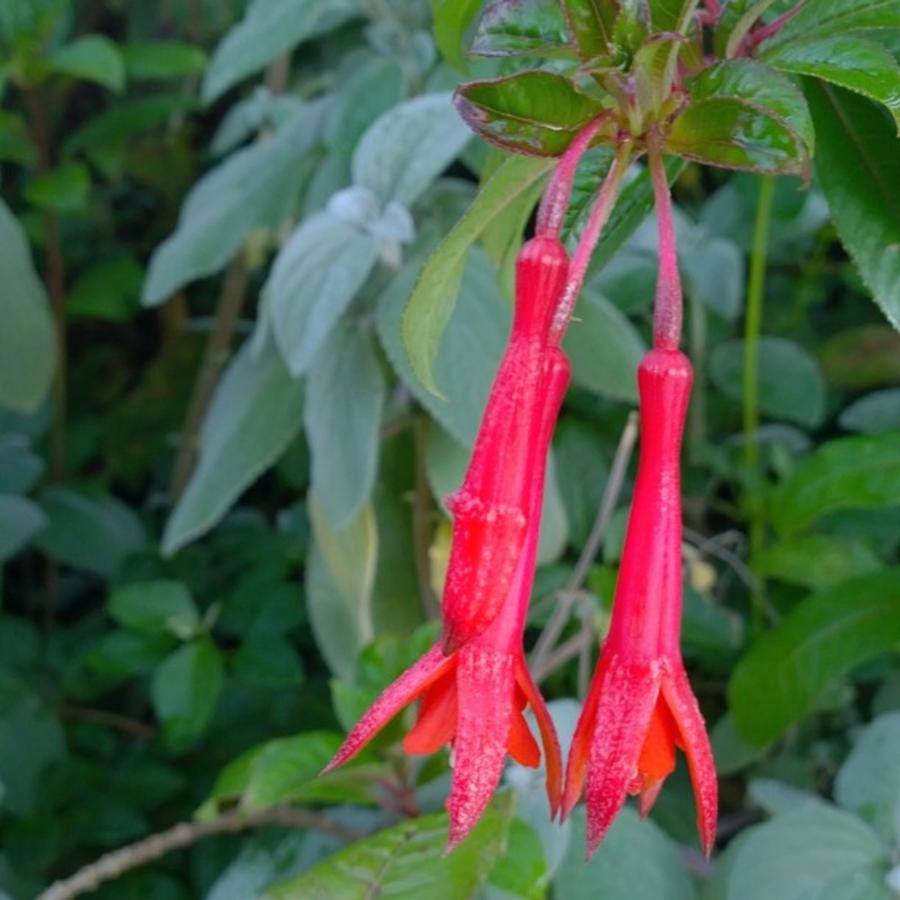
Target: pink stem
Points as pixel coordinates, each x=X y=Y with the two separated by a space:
x=603 y=205
x=667 y=308
x=770 y=30
x=552 y=212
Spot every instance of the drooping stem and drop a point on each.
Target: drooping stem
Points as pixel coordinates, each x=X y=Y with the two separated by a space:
x=667 y=311
x=752 y=328
x=552 y=212
x=599 y=215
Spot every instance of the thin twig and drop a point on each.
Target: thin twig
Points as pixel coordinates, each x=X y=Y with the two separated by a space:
x=110 y=719
x=216 y=355
x=113 y=865
x=611 y=492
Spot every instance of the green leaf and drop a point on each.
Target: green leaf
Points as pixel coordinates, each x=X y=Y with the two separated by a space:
x=20 y=520
x=408 y=861
x=526 y=27
x=734 y=22
x=313 y=280
x=92 y=57
x=185 y=692
x=522 y=870
x=451 y=19
x=256 y=187
x=27 y=339
x=30 y=739
x=154 y=607
x=535 y=112
x=817 y=561
x=636 y=861
x=582 y=470
x=868 y=782
x=160 y=60
x=815 y=851
x=591 y=23
x=407 y=147
x=268 y=663
x=96 y=534
x=255 y=414
x=861 y=180
x=849 y=473
x=604 y=348
x=108 y=290
x=20 y=466
x=824 y=637
x=790 y=382
x=269 y=29
x=873 y=414
x=63 y=189
x=829 y=18
x=743 y=115
x=851 y=62
x=344 y=398
x=432 y=302
x=340 y=575
x=469 y=354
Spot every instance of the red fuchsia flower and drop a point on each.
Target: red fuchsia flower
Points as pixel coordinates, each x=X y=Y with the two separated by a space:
x=474 y=698
x=490 y=510
x=640 y=706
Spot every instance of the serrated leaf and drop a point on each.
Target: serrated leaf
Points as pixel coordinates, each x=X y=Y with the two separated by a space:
x=344 y=397
x=790 y=382
x=848 y=61
x=469 y=353
x=92 y=57
x=407 y=861
x=255 y=187
x=28 y=338
x=861 y=181
x=269 y=29
x=849 y=473
x=154 y=607
x=433 y=299
x=313 y=280
x=185 y=691
x=743 y=115
x=407 y=147
x=451 y=20
x=521 y=27
x=591 y=24
x=255 y=414
x=783 y=675
x=535 y=112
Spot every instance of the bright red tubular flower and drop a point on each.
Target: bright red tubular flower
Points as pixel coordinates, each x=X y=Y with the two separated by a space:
x=640 y=706
x=474 y=697
x=490 y=510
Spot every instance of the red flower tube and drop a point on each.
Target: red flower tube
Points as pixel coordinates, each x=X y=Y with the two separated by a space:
x=474 y=697
x=640 y=706
x=490 y=510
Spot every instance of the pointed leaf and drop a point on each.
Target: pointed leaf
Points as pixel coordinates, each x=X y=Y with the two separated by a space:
x=451 y=20
x=591 y=24
x=536 y=112
x=92 y=57
x=861 y=179
x=521 y=27
x=742 y=115
x=788 y=669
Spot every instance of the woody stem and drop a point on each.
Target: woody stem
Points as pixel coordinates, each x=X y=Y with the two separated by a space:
x=667 y=311
x=599 y=215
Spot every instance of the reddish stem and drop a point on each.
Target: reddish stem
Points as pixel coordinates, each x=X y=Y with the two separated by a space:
x=667 y=312
x=770 y=30
x=552 y=211
x=603 y=205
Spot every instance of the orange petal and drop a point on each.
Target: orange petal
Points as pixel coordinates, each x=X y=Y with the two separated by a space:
x=657 y=759
x=436 y=722
x=523 y=747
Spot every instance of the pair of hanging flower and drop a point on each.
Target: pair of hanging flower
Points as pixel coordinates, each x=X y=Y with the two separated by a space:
x=474 y=684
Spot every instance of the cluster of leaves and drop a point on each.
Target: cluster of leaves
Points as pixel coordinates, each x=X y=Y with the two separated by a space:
x=188 y=646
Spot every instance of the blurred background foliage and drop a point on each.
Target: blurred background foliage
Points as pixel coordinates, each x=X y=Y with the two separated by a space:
x=221 y=481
